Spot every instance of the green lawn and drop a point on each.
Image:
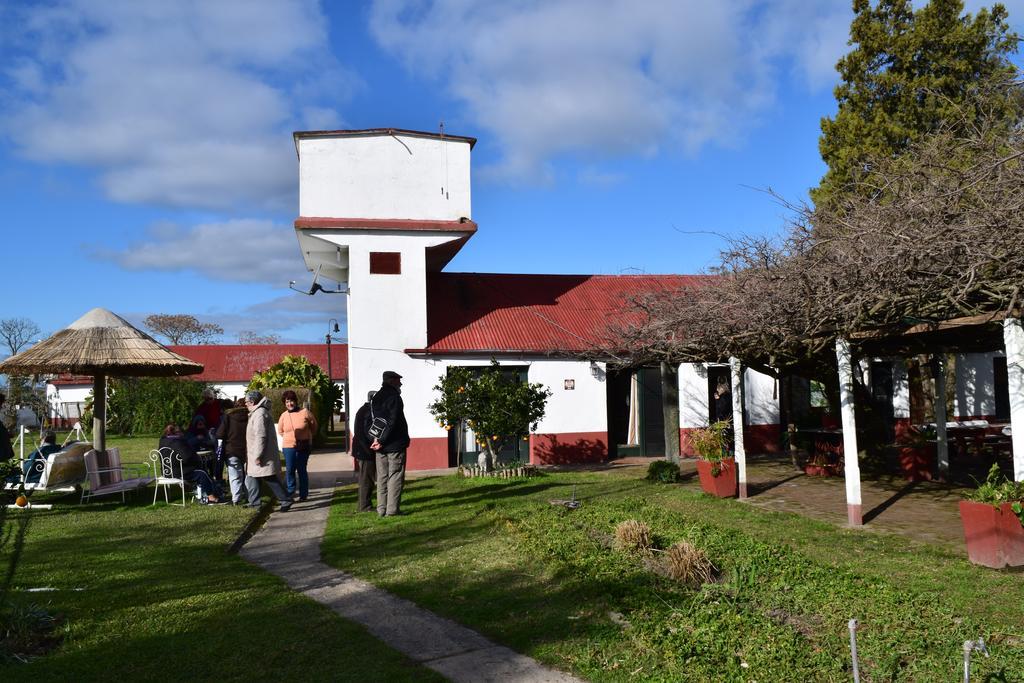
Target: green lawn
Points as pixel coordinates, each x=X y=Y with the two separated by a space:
x=150 y=593
x=544 y=580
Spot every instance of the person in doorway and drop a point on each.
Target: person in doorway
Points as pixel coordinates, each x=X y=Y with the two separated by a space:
x=366 y=460
x=296 y=427
x=390 y=444
x=261 y=447
x=723 y=411
x=232 y=450
x=6 y=449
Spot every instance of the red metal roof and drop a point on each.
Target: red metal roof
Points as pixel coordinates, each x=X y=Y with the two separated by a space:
x=476 y=312
x=238 y=362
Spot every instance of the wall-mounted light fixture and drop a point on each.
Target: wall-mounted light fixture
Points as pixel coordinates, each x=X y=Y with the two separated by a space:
x=595 y=370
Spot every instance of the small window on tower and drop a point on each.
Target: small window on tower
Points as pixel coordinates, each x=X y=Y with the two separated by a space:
x=386 y=262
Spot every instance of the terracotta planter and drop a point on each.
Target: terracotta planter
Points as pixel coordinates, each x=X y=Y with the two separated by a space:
x=724 y=485
x=917 y=462
x=994 y=536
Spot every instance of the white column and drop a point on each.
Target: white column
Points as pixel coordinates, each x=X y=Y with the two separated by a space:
x=1013 y=337
x=851 y=463
x=737 y=422
x=941 y=438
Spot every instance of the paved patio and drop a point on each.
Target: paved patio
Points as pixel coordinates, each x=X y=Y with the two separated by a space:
x=925 y=511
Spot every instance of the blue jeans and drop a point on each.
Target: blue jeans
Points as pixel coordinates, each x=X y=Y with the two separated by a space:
x=295 y=462
x=201 y=479
x=239 y=479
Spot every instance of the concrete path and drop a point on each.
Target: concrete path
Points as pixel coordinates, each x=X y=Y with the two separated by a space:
x=289 y=546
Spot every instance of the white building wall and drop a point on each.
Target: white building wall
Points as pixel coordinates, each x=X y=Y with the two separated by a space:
x=900 y=391
x=761 y=398
x=693 y=396
x=583 y=409
x=975 y=393
x=384 y=176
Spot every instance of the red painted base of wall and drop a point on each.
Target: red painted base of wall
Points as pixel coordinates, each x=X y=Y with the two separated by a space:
x=568 y=447
x=427 y=453
x=756 y=439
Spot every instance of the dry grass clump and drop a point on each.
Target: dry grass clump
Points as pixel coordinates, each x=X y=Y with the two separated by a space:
x=688 y=564
x=634 y=536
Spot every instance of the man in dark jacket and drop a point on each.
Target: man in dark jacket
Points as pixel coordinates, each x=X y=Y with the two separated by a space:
x=367 y=459
x=388 y=411
x=231 y=434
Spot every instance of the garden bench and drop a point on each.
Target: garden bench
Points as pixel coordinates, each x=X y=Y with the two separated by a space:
x=60 y=472
x=110 y=479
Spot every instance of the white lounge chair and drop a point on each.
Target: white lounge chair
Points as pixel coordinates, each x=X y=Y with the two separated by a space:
x=104 y=481
x=61 y=472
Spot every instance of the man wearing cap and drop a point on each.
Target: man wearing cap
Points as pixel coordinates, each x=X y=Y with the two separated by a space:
x=387 y=409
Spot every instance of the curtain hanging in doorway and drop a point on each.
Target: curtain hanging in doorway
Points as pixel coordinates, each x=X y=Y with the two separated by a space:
x=633 y=433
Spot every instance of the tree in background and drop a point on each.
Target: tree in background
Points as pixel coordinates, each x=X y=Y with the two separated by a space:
x=496 y=407
x=181 y=328
x=250 y=338
x=909 y=74
x=17 y=333
x=297 y=371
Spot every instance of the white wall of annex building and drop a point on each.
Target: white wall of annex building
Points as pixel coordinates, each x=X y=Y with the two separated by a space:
x=975 y=385
x=693 y=396
x=384 y=176
x=582 y=409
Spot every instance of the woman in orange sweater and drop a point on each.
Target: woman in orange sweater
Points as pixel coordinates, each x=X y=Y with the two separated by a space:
x=296 y=427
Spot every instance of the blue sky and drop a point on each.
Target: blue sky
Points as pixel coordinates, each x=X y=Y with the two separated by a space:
x=147 y=166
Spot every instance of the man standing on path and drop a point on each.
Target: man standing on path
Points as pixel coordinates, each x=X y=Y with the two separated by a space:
x=388 y=413
x=361 y=452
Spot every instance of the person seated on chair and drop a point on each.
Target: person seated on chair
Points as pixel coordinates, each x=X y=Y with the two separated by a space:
x=198 y=435
x=36 y=462
x=190 y=471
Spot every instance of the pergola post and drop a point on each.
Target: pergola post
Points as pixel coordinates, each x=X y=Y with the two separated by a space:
x=99 y=412
x=1013 y=337
x=736 y=370
x=941 y=438
x=851 y=464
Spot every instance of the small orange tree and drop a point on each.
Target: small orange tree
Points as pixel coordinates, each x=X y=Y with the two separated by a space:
x=496 y=407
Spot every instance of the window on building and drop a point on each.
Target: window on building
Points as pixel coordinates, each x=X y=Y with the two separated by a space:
x=386 y=262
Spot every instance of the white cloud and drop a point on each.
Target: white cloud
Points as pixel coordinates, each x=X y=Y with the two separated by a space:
x=184 y=103
x=613 y=77
x=237 y=250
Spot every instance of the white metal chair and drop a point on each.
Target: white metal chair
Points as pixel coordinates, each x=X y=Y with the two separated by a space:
x=104 y=481
x=168 y=470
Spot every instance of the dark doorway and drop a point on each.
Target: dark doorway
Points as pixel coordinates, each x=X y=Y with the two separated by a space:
x=642 y=386
x=717 y=374
x=882 y=393
x=652 y=430
x=1001 y=385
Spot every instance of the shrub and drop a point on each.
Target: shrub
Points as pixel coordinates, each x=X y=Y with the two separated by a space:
x=294 y=372
x=663 y=471
x=688 y=564
x=145 y=405
x=634 y=536
x=709 y=442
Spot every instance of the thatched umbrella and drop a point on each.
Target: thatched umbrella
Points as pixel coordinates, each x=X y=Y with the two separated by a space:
x=100 y=344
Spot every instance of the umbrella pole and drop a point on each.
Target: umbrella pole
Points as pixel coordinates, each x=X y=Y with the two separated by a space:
x=99 y=413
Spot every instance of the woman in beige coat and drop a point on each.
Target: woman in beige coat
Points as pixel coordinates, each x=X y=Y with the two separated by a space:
x=261 y=446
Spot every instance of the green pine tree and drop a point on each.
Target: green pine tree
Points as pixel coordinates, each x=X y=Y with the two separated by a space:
x=909 y=73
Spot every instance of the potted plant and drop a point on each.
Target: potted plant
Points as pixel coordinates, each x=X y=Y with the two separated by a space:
x=993 y=519
x=715 y=467
x=917 y=455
